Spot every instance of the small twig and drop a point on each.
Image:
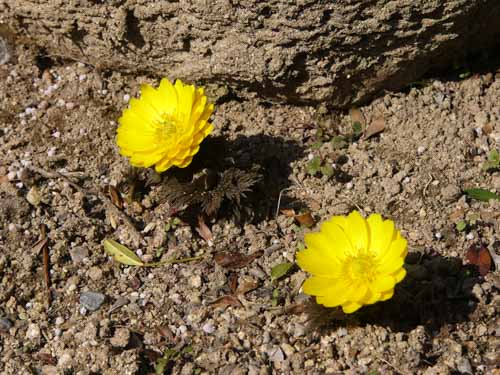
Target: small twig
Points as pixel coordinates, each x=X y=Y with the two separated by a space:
x=46 y=261
x=392 y=366
x=279 y=200
x=431 y=178
x=109 y=204
x=174 y=261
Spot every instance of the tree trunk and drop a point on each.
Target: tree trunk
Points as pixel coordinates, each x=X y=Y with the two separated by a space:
x=304 y=51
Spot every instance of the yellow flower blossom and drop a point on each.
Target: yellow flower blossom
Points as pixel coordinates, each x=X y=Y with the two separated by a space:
x=165 y=126
x=353 y=261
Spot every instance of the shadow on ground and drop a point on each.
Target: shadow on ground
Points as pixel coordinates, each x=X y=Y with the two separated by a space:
x=240 y=178
x=435 y=292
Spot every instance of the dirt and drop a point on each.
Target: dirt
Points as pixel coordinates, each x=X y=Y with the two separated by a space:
x=57 y=132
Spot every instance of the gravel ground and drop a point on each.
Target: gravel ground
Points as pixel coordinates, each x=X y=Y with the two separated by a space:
x=57 y=129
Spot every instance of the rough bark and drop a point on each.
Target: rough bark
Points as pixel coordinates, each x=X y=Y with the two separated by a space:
x=309 y=51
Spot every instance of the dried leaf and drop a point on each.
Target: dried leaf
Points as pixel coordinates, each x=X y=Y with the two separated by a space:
x=305 y=219
x=357 y=117
x=115 y=197
x=288 y=212
x=375 y=127
x=247 y=286
x=235 y=260
x=482 y=195
x=46 y=358
x=204 y=231
x=40 y=245
x=233 y=282
x=166 y=332
x=227 y=300
x=479 y=256
x=121 y=253
x=280 y=270
x=488 y=128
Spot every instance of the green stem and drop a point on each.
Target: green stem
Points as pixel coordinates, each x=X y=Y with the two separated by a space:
x=173 y=261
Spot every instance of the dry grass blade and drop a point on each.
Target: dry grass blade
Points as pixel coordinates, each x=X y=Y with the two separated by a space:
x=227 y=300
x=46 y=261
x=247 y=286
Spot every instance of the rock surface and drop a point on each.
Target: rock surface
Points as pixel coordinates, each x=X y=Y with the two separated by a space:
x=310 y=51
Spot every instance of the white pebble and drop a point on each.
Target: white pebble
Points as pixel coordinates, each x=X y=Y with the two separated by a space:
x=30 y=110
x=349 y=186
x=82 y=77
x=51 y=152
x=438 y=235
x=182 y=329
x=421 y=150
x=56 y=134
x=11 y=175
x=208 y=328
x=126 y=98
x=12 y=227
x=60 y=102
x=470 y=236
x=70 y=105
x=139 y=252
x=59 y=321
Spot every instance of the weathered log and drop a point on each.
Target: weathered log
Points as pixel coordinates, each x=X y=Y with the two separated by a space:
x=305 y=51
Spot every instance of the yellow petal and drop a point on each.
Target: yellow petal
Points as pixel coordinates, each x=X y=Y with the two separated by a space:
x=357 y=231
x=185 y=162
x=394 y=257
x=330 y=244
x=358 y=293
x=169 y=96
x=387 y=295
x=310 y=260
x=371 y=297
x=316 y=286
x=185 y=94
x=382 y=283
x=350 y=307
x=152 y=98
x=399 y=275
x=381 y=234
x=335 y=295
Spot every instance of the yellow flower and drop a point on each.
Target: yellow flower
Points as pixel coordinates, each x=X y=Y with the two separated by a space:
x=165 y=126
x=354 y=261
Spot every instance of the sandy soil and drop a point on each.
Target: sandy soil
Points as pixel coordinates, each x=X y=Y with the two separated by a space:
x=58 y=157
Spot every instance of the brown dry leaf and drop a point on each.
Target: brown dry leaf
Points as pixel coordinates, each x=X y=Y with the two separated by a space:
x=488 y=128
x=479 y=256
x=375 y=127
x=247 y=286
x=235 y=260
x=46 y=358
x=357 y=116
x=40 y=245
x=305 y=219
x=233 y=282
x=164 y=331
x=457 y=215
x=204 y=231
x=288 y=212
x=115 y=197
x=227 y=300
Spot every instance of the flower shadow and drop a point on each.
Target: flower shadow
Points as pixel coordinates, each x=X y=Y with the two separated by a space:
x=436 y=291
x=241 y=177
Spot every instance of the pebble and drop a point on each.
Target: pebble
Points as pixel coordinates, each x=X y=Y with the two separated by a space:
x=95 y=273
x=464 y=367
x=120 y=338
x=91 y=300
x=78 y=254
x=420 y=150
x=126 y=98
x=56 y=134
x=5 y=324
x=470 y=236
x=33 y=332
x=59 y=320
x=51 y=152
x=208 y=328
x=195 y=281
x=33 y=196
x=276 y=355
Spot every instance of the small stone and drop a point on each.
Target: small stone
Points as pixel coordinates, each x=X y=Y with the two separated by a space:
x=95 y=273
x=208 y=328
x=195 y=281
x=33 y=196
x=5 y=325
x=82 y=77
x=126 y=98
x=33 y=332
x=70 y=106
x=59 y=320
x=464 y=367
x=120 y=338
x=420 y=150
x=288 y=349
x=470 y=236
x=78 y=254
x=450 y=192
x=276 y=355
x=92 y=300
x=50 y=370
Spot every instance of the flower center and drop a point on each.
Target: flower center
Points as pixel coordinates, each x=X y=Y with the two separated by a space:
x=361 y=267
x=166 y=130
